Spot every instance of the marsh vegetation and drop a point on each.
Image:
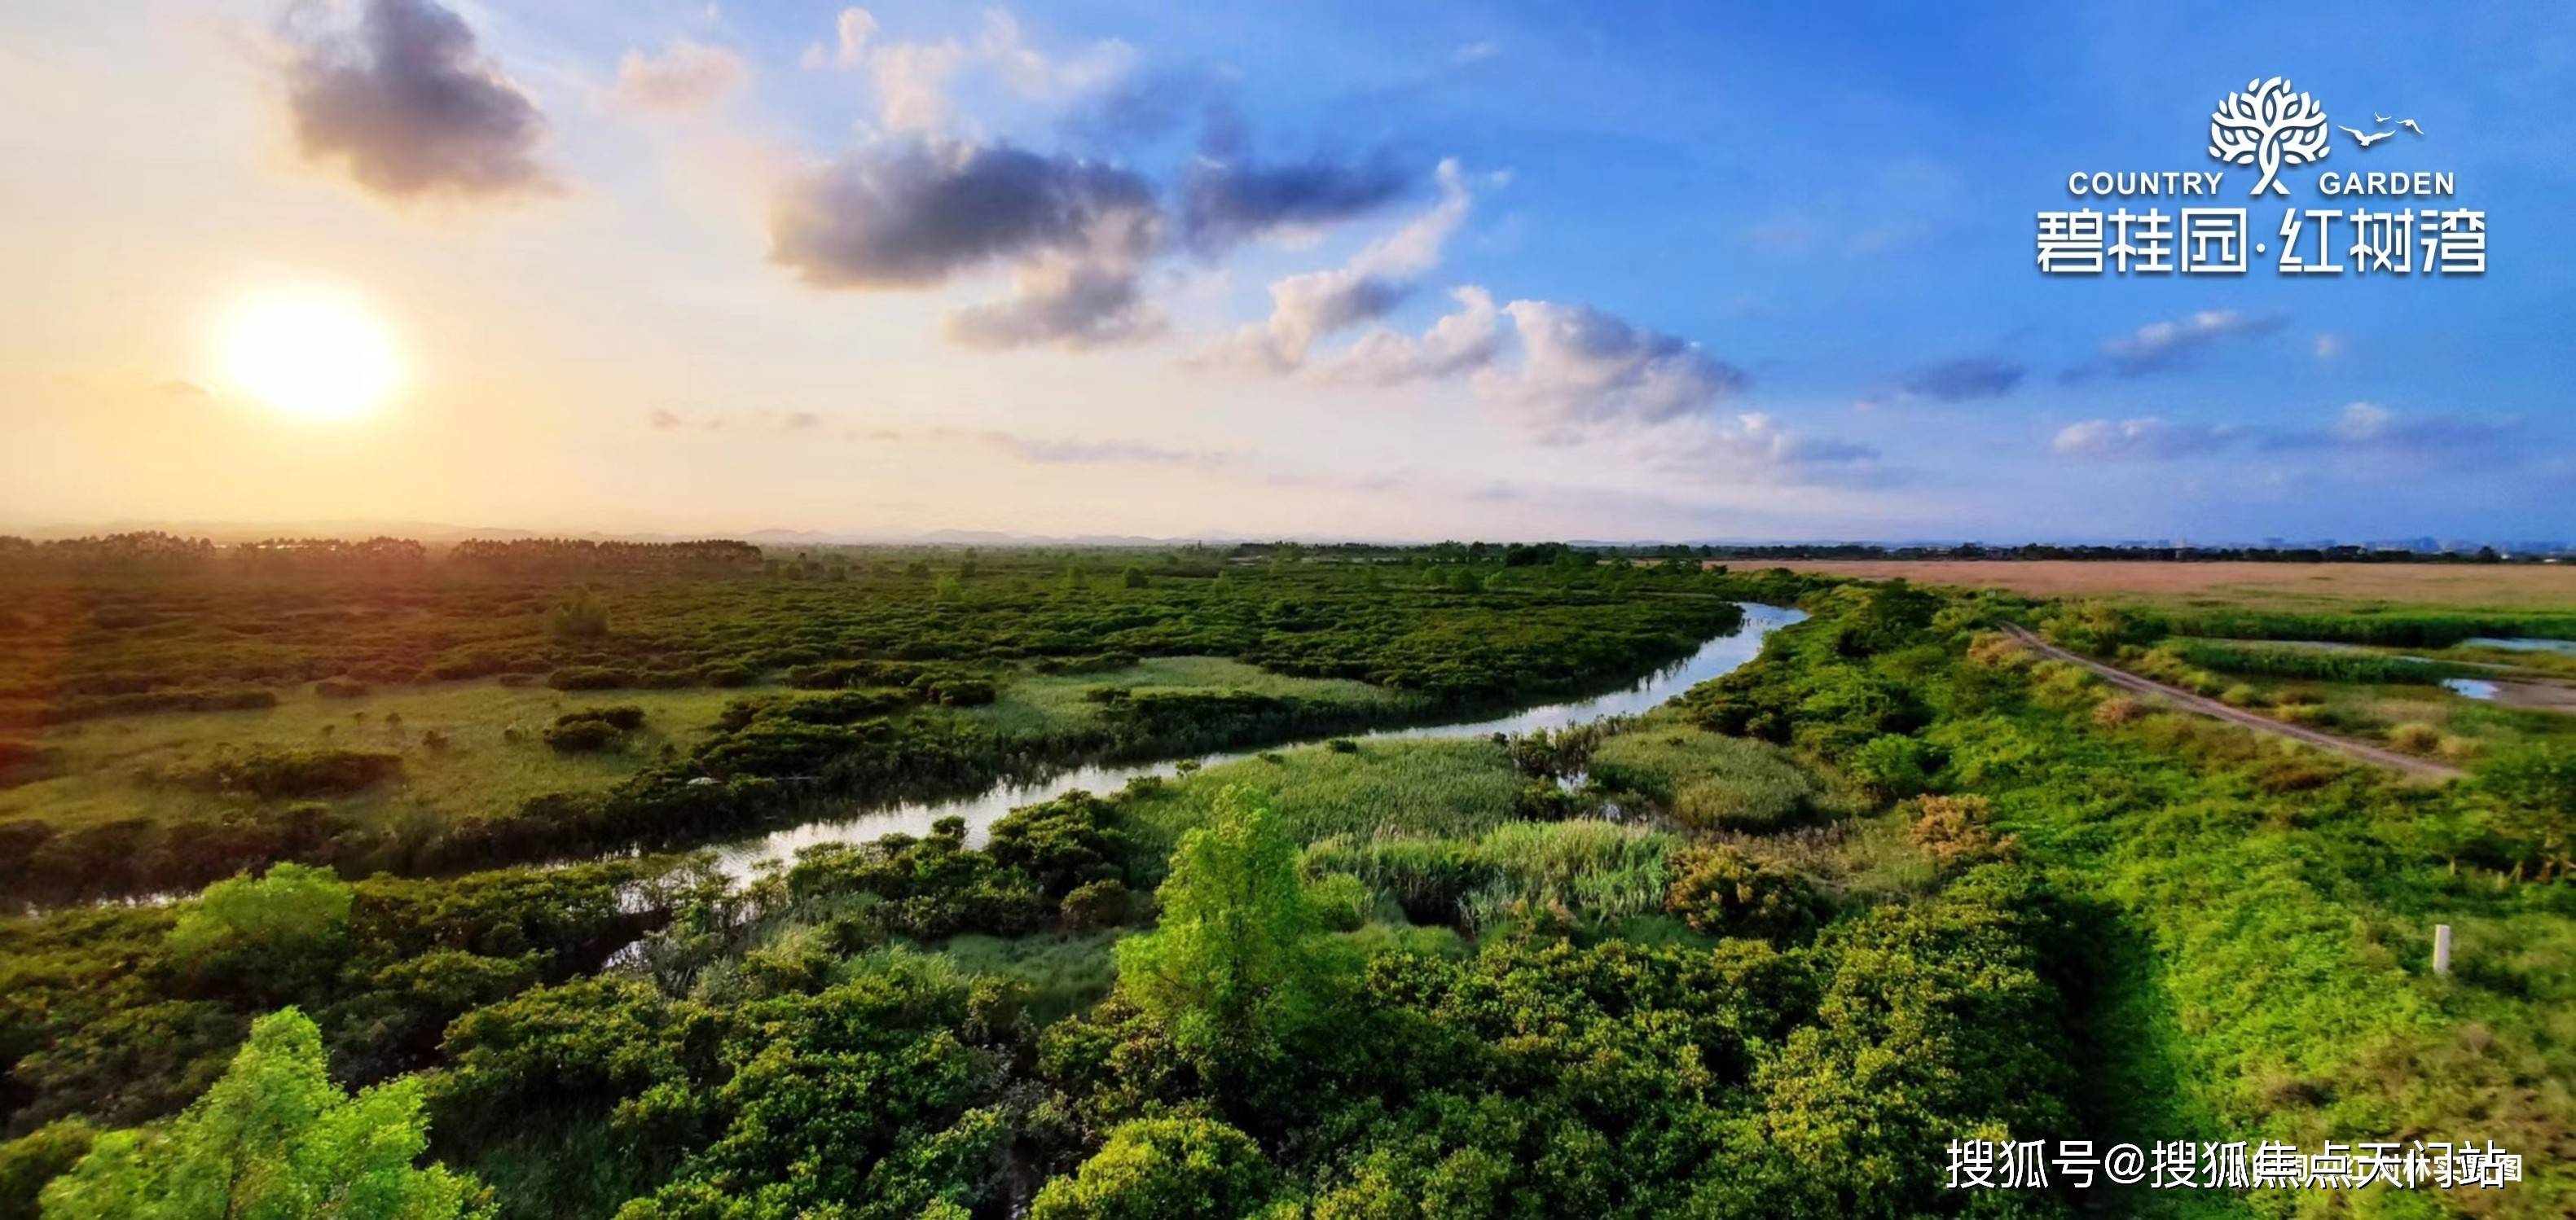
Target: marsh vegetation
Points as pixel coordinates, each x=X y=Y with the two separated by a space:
x=1761 y=951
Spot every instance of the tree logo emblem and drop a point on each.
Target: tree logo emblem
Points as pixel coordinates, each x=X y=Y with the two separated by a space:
x=2268 y=126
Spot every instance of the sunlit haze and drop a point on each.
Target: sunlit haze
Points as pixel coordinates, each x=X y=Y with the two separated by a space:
x=1087 y=269
x=308 y=353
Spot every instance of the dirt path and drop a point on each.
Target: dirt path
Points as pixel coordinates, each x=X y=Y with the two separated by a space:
x=2419 y=768
x=2547 y=696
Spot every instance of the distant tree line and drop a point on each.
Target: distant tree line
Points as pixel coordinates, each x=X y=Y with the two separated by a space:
x=558 y=554
x=2170 y=554
x=156 y=550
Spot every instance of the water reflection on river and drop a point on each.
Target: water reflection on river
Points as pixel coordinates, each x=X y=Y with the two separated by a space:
x=1717 y=656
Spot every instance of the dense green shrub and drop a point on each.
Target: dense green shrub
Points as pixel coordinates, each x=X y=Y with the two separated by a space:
x=273 y=1137
x=579 y=617
x=67 y=709
x=1957 y=830
x=1722 y=891
x=1893 y=766
x=1182 y=1168
x=1234 y=968
x=621 y=716
x=2096 y=626
x=591 y=677
x=270 y=772
x=579 y=736
x=1097 y=904
x=30 y=1161
x=878 y=1094
x=2533 y=793
x=960 y=692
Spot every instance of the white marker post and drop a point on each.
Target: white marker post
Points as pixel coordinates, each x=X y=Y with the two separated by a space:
x=2441 y=948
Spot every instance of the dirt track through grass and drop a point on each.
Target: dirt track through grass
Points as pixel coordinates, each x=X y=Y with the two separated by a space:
x=2419 y=768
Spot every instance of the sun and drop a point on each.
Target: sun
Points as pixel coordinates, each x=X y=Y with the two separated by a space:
x=309 y=352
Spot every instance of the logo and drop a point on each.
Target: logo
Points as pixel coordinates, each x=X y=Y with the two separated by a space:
x=2267 y=127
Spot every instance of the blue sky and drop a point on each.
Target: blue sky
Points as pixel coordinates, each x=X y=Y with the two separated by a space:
x=1333 y=269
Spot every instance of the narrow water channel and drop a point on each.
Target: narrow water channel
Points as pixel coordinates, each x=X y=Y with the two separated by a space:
x=742 y=858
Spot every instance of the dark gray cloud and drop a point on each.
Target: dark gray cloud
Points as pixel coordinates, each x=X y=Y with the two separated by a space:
x=1964 y=379
x=1069 y=303
x=909 y=213
x=1224 y=202
x=2159 y=347
x=412 y=108
x=1329 y=301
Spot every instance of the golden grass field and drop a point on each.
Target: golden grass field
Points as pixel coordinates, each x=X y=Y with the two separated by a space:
x=2254 y=585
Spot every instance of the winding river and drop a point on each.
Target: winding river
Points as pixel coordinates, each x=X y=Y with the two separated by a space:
x=742 y=858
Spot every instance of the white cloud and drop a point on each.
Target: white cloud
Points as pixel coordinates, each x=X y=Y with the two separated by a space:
x=1034 y=74
x=1313 y=304
x=2146 y=437
x=912 y=83
x=1753 y=446
x=2361 y=422
x=912 y=78
x=1583 y=368
x=1459 y=342
x=684 y=76
x=2158 y=346
x=2360 y=431
x=850 y=34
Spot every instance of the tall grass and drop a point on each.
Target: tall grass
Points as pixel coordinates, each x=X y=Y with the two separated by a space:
x=2313 y=665
x=1601 y=870
x=2391 y=628
x=1384 y=787
x=1708 y=781
x=1589 y=869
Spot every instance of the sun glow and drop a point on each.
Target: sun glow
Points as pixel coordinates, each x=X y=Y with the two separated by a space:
x=309 y=352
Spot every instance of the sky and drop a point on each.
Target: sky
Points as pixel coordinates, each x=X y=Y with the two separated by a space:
x=1562 y=270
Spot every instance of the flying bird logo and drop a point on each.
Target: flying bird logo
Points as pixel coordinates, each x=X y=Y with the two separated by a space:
x=2365 y=139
